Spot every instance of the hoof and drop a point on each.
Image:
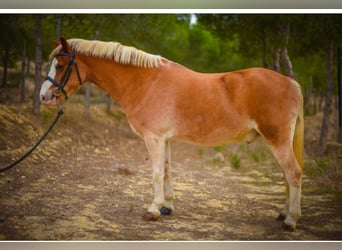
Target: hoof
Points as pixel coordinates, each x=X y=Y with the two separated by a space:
x=281 y=217
x=289 y=228
x=165 y=211
x=150 y=216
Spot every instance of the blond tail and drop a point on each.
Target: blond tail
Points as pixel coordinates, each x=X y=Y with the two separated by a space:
x=298 y=139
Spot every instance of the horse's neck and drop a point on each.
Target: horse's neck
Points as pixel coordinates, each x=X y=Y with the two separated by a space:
x=125 y=84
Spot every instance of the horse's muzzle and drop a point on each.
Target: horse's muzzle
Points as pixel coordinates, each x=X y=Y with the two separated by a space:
x=48 y=97
x=52 y=101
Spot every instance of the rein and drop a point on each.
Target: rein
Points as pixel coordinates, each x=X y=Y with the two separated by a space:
x=65 y=78
x=60 y=86
x=60 y=112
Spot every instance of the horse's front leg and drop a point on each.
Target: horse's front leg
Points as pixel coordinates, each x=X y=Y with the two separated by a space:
x=168 y=187
x=156 y=150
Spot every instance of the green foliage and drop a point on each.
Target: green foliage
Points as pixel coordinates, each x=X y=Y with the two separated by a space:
x=258 y=157
x=218 y=149
x=204 y=48
x=317 y=167
x=260 y=154
x=322 y=162
x=235 y=161
x=201 y=152
x=169 y=35
x=166 y=34
x=209 y=53
x=47 y=114
x=259 y=35
x=216 y=43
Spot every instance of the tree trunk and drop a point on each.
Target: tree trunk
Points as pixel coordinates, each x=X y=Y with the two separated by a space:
x=107 y=100
x=287 y=63
x=87 y=95
x=28 y=66
x=276 y=64
x=329 y=96
x=315 y=103
x=58 y=26
x=307 y=98
x=264 y=51
x=23 y=74
x=5 y=64
x=284 y=54
x=38 y=65
x=321 y=101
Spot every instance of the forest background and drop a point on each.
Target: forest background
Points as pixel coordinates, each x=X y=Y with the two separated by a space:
x=303 y=47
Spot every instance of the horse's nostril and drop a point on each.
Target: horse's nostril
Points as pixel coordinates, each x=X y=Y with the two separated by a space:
x=42 y=98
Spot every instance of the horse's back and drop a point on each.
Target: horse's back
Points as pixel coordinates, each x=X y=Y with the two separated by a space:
x=260 y=90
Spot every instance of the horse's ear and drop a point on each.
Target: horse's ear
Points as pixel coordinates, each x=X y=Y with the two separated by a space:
x=65 y=45
x=56 y=42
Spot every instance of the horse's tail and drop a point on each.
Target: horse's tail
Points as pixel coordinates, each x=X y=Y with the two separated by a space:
x=298 y=139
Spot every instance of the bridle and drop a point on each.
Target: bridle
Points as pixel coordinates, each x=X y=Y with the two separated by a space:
x=65 y=78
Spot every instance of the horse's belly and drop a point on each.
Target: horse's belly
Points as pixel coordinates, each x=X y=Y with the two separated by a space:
x=218 y=136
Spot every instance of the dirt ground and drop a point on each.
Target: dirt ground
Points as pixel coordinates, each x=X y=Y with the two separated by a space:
x=91 y=180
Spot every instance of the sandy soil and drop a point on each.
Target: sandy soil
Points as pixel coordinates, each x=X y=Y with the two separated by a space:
x=91 y=180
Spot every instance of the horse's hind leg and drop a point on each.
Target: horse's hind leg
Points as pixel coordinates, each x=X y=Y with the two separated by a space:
x=293 y=174
x=168 y=188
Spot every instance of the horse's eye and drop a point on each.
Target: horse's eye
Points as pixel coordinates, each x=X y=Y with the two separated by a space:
x=59 y=67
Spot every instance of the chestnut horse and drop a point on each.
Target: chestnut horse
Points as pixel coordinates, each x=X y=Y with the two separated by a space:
x=166 y=101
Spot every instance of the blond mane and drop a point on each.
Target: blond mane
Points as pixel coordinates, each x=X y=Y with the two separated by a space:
x=114 y=51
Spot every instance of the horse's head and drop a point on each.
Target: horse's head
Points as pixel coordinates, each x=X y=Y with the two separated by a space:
x=64 y=76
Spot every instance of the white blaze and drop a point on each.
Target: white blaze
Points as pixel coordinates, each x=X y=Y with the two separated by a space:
x=47 y=84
